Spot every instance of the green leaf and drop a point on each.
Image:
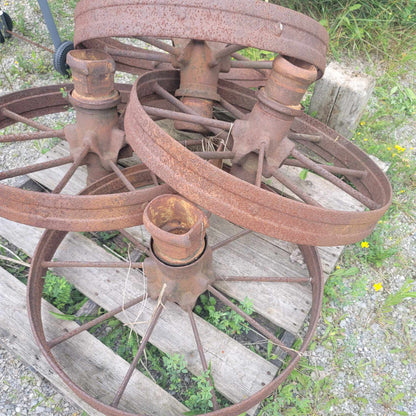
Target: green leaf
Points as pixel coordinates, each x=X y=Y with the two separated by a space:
x=411 y=95
x=354 y=7
x=63 y=316
x=303 y=174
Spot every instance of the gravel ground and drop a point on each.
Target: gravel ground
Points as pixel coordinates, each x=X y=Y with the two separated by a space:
x=369 y=366
x=23 y=392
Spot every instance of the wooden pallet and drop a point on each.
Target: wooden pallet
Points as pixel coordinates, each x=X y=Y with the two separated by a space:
x=238 y=372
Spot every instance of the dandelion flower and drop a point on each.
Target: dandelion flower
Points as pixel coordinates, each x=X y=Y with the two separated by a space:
x=364 y=244
x=377 y=286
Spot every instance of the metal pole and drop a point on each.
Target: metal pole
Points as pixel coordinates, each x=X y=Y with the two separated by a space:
x=50 y=23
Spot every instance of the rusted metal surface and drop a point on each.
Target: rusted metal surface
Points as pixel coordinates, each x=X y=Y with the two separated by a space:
x=95 y=100
x=180 y=262
x=69 y=212
x=51 y=240
x=251 y=24
x=242 y=203
x=217 y=25
x=270 y=120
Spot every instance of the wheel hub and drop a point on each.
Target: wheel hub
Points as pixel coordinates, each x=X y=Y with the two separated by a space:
x=95 y=100
x=180 y=262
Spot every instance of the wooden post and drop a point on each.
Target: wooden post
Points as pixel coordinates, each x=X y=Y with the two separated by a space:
x=340 y=98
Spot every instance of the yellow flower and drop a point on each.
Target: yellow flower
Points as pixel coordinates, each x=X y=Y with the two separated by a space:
x=362 y=123
x=338 y=267
x=389 y=148
x=377 y=286
x=365 y=140
x=402 y=191
x=364 y=244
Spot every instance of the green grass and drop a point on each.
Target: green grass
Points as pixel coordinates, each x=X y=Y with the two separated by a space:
x=378 y=27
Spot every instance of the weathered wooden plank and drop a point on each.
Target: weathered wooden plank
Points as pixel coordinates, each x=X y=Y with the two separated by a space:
x=80 y=356
x=340 y=98
x=237 y=371
x=50 y=178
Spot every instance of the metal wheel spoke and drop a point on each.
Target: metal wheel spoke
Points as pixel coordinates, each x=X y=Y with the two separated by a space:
x=228 y=50
x=180 y=105
x=335 y=180
x=260 y=328
x=336 y=170
x=121 y=176
x=252 y=64
x=305 y=137
x=240 y=57
x=88 y=325
x=191 y=142
x=174 y=115
x=135 y=241
x=17 y=117
x=260 y=164
x=202 y=355
x=94 y=264
x=295 y=189
x=68 y=175
x=145 y=340
x=232 y=109
x=160 y=45
x=32 y=136
x=154 y=179
x=35 y=168
x=264 y=279
x=215 y=155
x=230 y=239
x=145 y=54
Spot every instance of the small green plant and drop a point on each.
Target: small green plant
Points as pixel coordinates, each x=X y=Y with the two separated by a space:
x=374 y=250
x=200 y=398
x=405 y=292
x=342 y=284
x=175 y=366
x=58 y=291
x=391 y=397
x=118 y=337
x=224 y=318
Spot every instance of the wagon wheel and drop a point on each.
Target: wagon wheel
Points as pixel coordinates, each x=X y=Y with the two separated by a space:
x=47 y=250
x=309 y=144
x=228 y=26
x=57 y=210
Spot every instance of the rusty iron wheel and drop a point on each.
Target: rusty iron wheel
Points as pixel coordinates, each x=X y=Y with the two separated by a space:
x=47 y=257
x=61 y=211
x=311 y=145
x=228 y=27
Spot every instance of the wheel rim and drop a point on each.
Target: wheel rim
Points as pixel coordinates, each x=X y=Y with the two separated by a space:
x=58 y=211
x=273 y=28
x=243 y=203
x=45 y=251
